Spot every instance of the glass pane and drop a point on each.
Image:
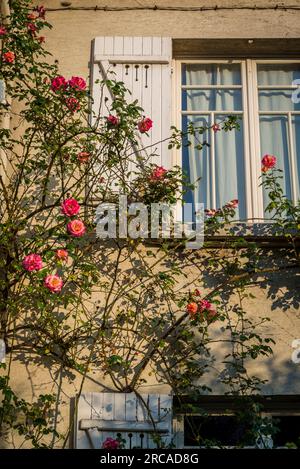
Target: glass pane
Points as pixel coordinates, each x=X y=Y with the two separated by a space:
x=296 y=137
x=277 y=74
x=274 y=140
x=277 y=100
x=230 y=169
x=212 y=100
x=196 y=164
x=211 y=74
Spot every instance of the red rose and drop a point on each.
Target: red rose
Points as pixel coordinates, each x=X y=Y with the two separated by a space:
x=192 y=308
x=70 y=207
x=145 y=124
x=158 y=173
x=3 y=31
x=77 y=83
x=83 y=156
x=268 y=162
x=113 y=120
x=58 y=83
x=9 y=57
x=72 y=104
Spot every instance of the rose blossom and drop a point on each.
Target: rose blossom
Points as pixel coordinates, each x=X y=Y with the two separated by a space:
x=192 y=308
x=72 y=104
x=41 y=11
x=83 y=156
x=62 y=254
x=113 y=120
x=204 y=305
x=54 y=283
x=77 y=83
x=32 y=262
x=70 y=207
x=58 y=83
x=210 y=212
x=9 y=57
x=3 y=31
x=216 y=127
x=31 y=16
x=41 y=39
x=197 y=292
x=158 y=173
x=233 y=203
x=111 y=443
x=268 y=162
x=31 y=28
x=76 y=228
x=145 y=124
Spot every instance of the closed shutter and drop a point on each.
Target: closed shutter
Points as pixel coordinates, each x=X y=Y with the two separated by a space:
x=144 y=65
x=103 y=415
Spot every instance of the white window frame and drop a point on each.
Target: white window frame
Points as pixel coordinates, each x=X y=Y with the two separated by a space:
x=252 y=152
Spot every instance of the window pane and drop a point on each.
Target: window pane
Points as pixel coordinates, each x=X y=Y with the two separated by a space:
x=274 y=140
x=277 y=100
x=229 y=166
x=211 y=74
x=212 y=100
x=230 y=169
x=296 y=137
x=277 y=74
x=288 y=430
x=223 y=430
x=197 y=164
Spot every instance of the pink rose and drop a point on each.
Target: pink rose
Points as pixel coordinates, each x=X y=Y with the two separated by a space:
x=77 y=83
x=62 y=254
x=204 y=305
x=31 y=28
x=41 y=11
x=70 y=207
x=72 y=104
x=113 y=120
x=233 y=203
x=268 y=162
x=158 y=173
x=210 y=212
x=54 y=283
x=216 y=127
x=83 y=156
x=111 y=443
x=32 y=262
x=9 y=57
x=58 y=83
x=145 y=124
x=3 y=31
x=76 y=228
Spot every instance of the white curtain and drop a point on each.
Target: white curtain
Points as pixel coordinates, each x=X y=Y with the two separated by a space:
x=274 y=129
x=229 y=172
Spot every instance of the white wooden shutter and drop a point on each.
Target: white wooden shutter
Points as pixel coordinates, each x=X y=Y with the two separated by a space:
x=103 y=415
x=144 y=65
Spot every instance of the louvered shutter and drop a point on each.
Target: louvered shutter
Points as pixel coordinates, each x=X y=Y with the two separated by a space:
x=103 y=415
x=144 y=65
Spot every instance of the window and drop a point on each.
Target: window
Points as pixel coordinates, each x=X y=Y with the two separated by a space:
x=260 y=94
